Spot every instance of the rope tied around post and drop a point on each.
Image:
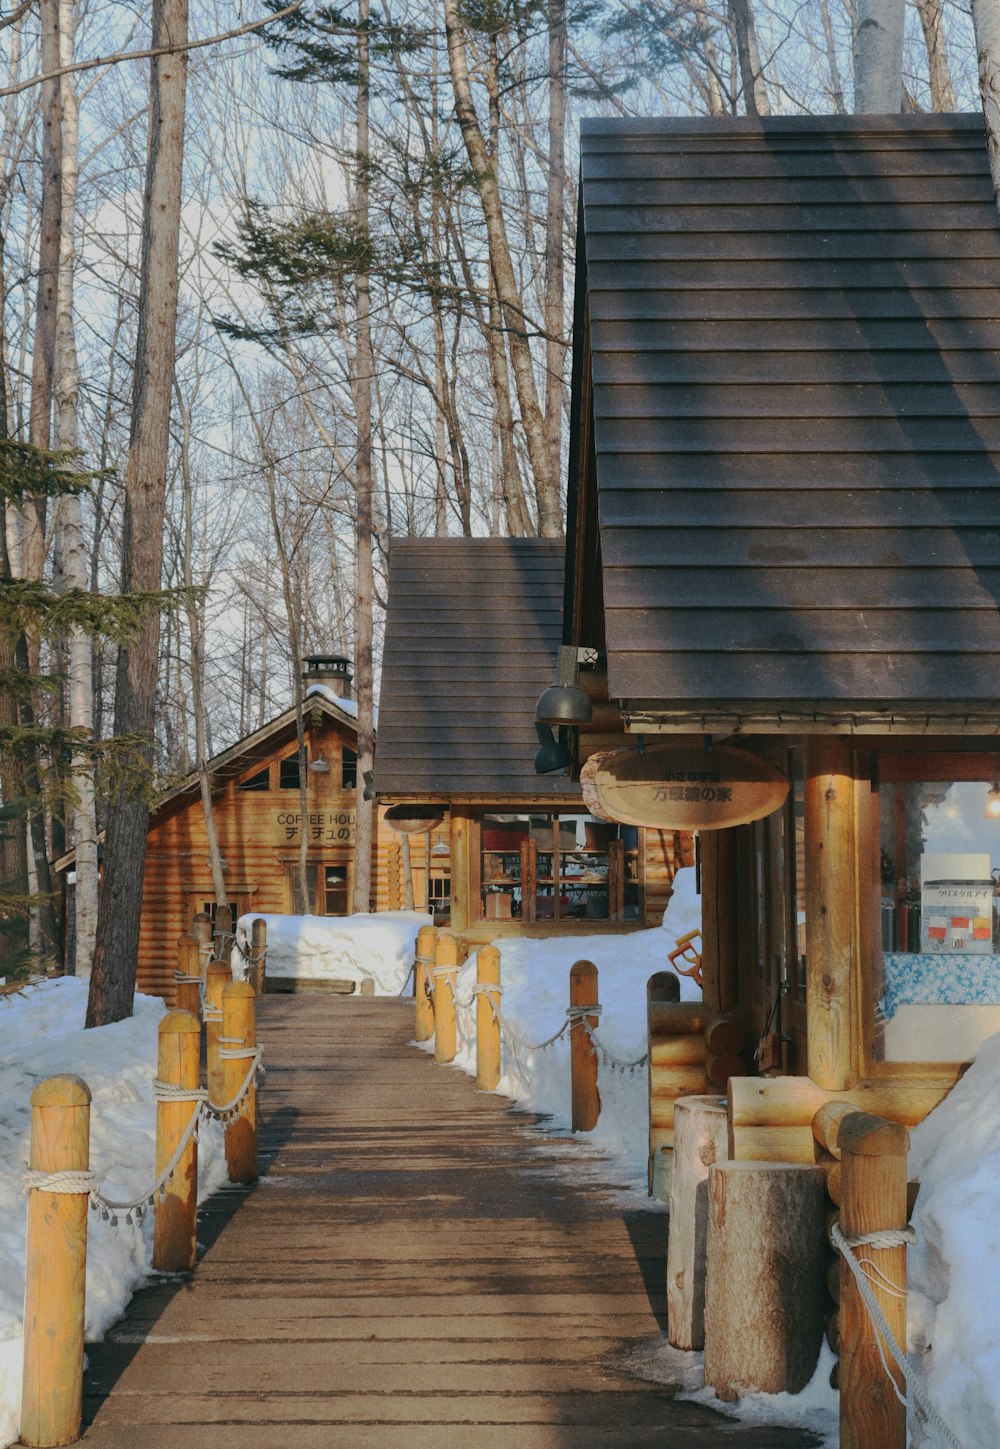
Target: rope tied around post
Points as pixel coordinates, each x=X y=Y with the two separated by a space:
x=66 y=1182
x=916 y=1392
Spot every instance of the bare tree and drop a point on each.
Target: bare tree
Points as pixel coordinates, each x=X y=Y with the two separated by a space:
x=878 y=57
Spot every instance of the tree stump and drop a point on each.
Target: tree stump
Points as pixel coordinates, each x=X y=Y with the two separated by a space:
x=700 y=1140
x=764 y=1290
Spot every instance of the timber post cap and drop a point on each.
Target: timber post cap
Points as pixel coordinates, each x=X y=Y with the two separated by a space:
x=234 y=990
x=582 y=969
x=663 y=986
x=488 y=955
x=64 y=1090
x=426 y=934
x=180 y=1023
x=868 y=1136
x=216 y=963
x=447 y=950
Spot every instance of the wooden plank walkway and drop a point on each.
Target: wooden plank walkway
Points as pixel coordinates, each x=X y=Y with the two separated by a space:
x=411 y=1270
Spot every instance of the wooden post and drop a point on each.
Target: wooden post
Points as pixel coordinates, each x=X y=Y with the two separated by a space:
x=461 y=872
x=222 y=931
x=239 y=1042
x=700 y=1139
x=873 y=1192
x=258 y=950
x=55 y=1267
x=178 y=1065
x=765 y=1302
x=201 y=926
x=217 y=977
x=586 y=1100
x=488 y=1019
x=831 y=875
x=187 y=992
x=445 y=972
x=423 y=964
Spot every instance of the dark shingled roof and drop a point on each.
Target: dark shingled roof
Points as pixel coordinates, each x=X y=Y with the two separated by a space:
x=794 y=327
x=472 y=632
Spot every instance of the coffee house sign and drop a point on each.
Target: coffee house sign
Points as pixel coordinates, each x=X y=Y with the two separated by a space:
x=323 y=827
x=679 y=787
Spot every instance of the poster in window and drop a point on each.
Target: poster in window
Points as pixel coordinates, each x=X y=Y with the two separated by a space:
x=956 y=901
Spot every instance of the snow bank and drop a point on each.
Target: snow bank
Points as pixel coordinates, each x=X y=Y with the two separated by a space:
x=535 y=980
x=347 y=948
x=41 y=1034
x=953 y=1308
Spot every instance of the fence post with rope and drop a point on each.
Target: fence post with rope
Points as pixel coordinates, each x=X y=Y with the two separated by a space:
x=238 y=1051
x=201 y=926
x=177 y=1108
x=187 y=976
x=487 y=1018
x=444 y=975
x=56 y=1262
x=222 y=932
x=422 y=967
x=217 y=977
x=583 y=1014
x=873 y=1202
x=258 y=955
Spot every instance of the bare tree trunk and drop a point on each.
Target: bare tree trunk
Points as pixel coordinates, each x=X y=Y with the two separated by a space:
x=550 y=522
x=836 y=84
x=72 y=551
x=754 y=90
x=878 y=58
x=931 y=14
x=112 y=984
x=986 y=18
x=555 y=246
x=361 y=386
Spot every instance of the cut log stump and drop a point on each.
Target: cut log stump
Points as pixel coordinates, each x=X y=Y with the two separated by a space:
x=700 y=1140
x=764 y=1290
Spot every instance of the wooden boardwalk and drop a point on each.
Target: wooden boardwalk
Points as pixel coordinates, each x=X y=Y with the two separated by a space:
x=412 y=1270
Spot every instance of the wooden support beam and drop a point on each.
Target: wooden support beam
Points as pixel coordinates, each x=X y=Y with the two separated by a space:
x=831 y=876
x=586 y=1101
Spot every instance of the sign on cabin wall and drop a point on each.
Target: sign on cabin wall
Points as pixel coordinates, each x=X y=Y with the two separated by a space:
x=323 y=827
x=680 y=787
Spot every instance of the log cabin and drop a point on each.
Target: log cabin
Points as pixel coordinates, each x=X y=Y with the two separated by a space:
x=783 y=544
x=473 y=630
x=255 y=798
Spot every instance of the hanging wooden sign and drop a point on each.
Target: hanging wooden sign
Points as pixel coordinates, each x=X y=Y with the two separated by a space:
x=680 y=787
x=587 y=788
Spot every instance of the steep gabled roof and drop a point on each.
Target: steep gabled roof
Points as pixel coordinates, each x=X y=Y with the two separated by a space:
x=793 y=330
x=473 y=628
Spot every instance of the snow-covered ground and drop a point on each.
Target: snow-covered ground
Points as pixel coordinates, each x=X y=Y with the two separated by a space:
x=378 y=948
x=41 y=1035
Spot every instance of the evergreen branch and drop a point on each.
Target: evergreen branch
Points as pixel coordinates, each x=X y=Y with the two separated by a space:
x=28 y=605
x=25 y=469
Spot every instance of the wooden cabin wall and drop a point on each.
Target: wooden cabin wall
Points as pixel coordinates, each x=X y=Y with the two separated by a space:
x=258 y=837
x=664 y=852
x=389 y=878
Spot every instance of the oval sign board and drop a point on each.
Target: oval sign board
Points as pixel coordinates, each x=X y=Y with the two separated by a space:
x=588 y=770
x=680 y=787
x=408 y=819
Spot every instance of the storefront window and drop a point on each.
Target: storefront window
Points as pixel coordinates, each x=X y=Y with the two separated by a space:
x=938 y=992
x=564 y=867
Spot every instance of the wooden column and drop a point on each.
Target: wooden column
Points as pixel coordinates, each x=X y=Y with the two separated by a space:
x=201 y=927
x=55 y=1267
x=461 y=872
x=445 y=974
x=187 y=994
x=176 y=1210
x=239 y=1032
x=873 y=1197
x=217 y=977
x=258 y=950
x=223 y=929
x=426 y=955
x=831 y=876
x=718 y=927
x=700 y=1139
x=586 y=1100
x=765 y=1294
x=488 y=1019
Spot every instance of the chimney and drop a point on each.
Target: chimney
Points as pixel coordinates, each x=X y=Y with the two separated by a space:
x=331 y=670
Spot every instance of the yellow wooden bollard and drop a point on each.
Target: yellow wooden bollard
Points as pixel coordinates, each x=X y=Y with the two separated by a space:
x=217 y=978
x=238 y=1049
x=488 y=1018
x=258 y=950
x=178 y=1066
x=445 y=973
x=56 y=1266
x=423 y=965
x=187 y=991
x=586 y=1101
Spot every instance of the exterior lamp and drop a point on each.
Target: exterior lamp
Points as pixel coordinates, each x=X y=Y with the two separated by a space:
x=552 y=754
x=564 y=703
x=992 y=811
x=320 y=765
